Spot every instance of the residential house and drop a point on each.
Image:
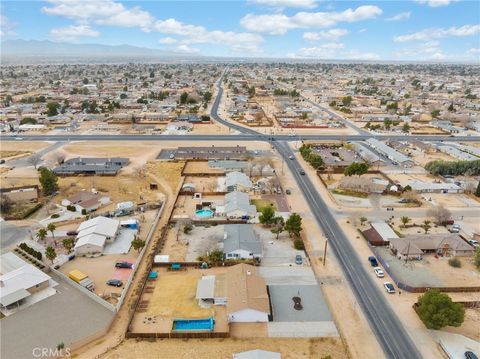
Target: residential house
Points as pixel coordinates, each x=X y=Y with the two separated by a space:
x=94 y=233
x=237 y=205
x=240 y=241
x=247 y=296
x=238 y=181
x=85 y=200
x=415 y=245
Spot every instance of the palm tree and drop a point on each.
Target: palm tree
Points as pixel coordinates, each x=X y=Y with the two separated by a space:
x=404 y=221
x=51 y=228
x=426 y=225
x=41 y=234
x=50 y=253
x=363 y=220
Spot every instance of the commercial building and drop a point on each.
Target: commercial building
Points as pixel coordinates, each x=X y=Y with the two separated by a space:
x=387 y=151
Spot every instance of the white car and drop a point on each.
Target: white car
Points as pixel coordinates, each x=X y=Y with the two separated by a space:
x=379 y=272
x=389 y=287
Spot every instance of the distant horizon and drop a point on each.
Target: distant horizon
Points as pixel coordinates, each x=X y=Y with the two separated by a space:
x=434 y=31
x=28 y=55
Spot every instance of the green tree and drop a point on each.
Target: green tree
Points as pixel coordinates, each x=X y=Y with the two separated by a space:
x=48 y=180
x=50 y=253
x=347 y=101
x=267 y=215
x=41 y=234
x=451 y=108
x=293 y=225
x=435 y=113
x=68 y=244
x=333 y=104
x=436 y=310
x=476 y=258
x=406 y=128
x=138 y=244
x=215 y=258
x=278 y=226
x=304 y=115
x=251 y=91
x=426 y=225
x=52 y=108
x=387 y=123
x=477 y=191
x=356 y=169
x=183 y=98
x=404 y=221
x=363 y=220
x=51 y=227
x=207 y=96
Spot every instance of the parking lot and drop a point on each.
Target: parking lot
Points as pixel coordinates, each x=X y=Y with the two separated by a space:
x=101 y=269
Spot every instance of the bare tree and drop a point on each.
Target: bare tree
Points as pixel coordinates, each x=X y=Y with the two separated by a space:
x=440 y=214
x=35 y=160
x=59 y=157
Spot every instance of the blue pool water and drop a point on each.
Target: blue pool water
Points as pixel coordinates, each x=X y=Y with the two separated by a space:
x=193 y=324
x=204 y=213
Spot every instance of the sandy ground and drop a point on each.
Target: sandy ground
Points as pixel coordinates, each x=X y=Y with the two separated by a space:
x=424 y=158
x=471 y=325
x=174 y=296
x=290 y=348
x=23 y=145
x=175 y=249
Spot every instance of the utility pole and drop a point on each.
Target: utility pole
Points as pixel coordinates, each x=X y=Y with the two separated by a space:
x=325 y=251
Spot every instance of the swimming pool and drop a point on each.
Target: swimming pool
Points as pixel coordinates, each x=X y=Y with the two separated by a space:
x=204 y=213
x=193 y=324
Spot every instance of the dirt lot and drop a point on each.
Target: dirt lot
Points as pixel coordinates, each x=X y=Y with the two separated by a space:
x=8 y=154
x=290 y=348
x=199 y=167
x=424 y=158
x=174 y=295
x=470 y=326
x=177 y=250
x=31 y=146
x=167 y=173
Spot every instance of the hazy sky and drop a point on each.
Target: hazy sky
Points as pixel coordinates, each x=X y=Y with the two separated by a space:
x=387 y=30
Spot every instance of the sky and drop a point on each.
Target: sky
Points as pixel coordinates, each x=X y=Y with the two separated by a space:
x=416 y=30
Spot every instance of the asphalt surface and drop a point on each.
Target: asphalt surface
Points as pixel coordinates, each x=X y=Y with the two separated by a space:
x=388 y=329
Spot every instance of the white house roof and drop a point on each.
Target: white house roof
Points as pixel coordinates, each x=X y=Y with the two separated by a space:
x=206 y=287
x=384 y=230
x=257 y=354
x=237 y=178
x=100 y=225
x=430 y=186
x=91 y=239
x=16 y=282
x=239 y=201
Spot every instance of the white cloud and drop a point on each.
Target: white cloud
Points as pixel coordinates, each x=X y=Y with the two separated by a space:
x=400 y=16
x=435 y=3
x=362 y=30
x=474 y=50
x=238 y=41
x=6 y=26
x=278 y=24
x=73 y=32
x=83 y=9
x=332 y=51
x=329 y=35
x=187 y=49
x=429 y=50
x=167 y=40
x=307 y=4
x=429 y=34
x=134 y=17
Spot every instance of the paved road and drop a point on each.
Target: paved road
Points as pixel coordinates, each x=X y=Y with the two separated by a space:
x=388 y=329
x=25 y=161
x=246 y=135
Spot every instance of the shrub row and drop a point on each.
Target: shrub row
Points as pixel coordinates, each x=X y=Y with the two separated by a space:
x=31 y=251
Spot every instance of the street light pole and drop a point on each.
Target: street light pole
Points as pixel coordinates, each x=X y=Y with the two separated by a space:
x=325 y=252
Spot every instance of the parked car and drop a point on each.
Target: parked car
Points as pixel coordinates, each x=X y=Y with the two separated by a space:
x=298 y=259
x=291 y=157
x=449 y=222
x=470 y=355
x=123 y=264
x=287 y=191
x=302 y=172
x=455 y=228
x=379 y=272
x=172 y=156
x=72 y=233
x=115 y=282
x=373 y=261
x=474 y=243
x=389 y=287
